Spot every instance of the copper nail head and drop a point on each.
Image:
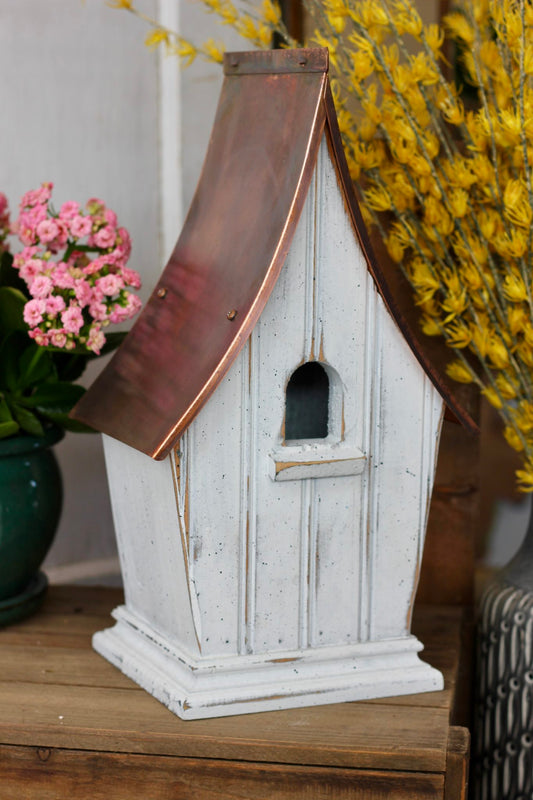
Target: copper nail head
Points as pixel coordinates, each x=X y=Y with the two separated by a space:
x=232 y=314
x=161 y=293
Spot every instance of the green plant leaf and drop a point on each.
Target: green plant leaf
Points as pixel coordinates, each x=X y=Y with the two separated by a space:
x=55 y=397
x=5 y=411
x=9 y=276
x=64 y=421
x=54 y=401
x=8 y=429
x=11 y=352
x=27 y=420
x=12 y=303
x=69 y=367
x=35 y=366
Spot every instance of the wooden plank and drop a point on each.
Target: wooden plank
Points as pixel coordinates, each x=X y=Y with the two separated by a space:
x=456 y=782
x=48 y=774
x=123 y=720
x=447 y=575
x=70 y=666
x=67 y=658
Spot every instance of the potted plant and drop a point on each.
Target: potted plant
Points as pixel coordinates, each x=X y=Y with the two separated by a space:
x=58 y=295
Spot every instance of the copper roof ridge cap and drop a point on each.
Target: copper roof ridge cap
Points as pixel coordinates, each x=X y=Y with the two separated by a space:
x=269 y=281
x=305 y=59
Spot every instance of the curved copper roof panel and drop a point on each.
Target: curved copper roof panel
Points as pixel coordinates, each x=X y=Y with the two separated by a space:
x=272 y=112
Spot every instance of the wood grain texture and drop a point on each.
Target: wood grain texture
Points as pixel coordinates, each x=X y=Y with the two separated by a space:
x=456 y=783
x=447 y=574
x=49 y=774
x=69 y=719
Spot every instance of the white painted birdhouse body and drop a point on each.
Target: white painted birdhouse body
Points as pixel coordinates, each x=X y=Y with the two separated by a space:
x=271 y=559
x=254 y=550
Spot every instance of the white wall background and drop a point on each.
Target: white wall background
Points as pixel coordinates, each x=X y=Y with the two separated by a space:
x=87 y=106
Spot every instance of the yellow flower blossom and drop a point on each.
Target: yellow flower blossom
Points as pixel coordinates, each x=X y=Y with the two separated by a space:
x=481 y=334
x=458 y=335
x=459 y=371
x=185 y=51
x=395 y=248
x=492 y=396
x=459 y=203
x=525 y=478
x=516 y=203
x=514 y=288
x=454 y=304
x=525 y=353
x=460 y=28
x=497 y=353
x=506 y=387
x=517 y=317
x=271 y=12
x=513 y=438
x=378 y=198
x=156 y=37
x=213 y=51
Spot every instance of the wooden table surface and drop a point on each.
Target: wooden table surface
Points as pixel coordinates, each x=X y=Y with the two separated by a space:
x=72 y=725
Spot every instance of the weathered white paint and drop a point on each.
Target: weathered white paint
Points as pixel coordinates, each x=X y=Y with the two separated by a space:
x=247 y=593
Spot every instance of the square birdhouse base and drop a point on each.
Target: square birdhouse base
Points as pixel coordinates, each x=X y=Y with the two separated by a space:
x=195 y=688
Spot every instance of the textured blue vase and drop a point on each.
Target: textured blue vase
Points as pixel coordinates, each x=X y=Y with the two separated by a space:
x=30 y=506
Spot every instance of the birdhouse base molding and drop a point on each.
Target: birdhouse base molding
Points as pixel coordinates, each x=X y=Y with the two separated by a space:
x=196 y=688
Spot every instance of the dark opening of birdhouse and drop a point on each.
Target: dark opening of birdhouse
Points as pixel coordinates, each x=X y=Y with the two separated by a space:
x=307 y=403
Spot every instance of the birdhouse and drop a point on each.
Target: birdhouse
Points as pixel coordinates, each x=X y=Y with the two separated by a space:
x=270 y=432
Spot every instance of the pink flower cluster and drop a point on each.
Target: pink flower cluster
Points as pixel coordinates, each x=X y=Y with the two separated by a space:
x=4 y=223
x=74 y=264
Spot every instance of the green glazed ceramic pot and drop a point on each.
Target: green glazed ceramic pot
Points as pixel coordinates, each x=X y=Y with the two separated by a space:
x=31 y=497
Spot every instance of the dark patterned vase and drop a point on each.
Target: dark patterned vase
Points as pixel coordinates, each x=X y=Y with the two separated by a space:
x=502 y=758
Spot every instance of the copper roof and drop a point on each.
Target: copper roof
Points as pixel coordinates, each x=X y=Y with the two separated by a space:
x=273 y=111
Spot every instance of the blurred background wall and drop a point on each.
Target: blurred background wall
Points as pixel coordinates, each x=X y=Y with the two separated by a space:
x=87 y=106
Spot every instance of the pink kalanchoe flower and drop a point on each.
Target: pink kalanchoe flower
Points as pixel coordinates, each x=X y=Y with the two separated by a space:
x=26 y=253
x=98 y=311
x=29 y=270
x=122 y=313
x=44 y=193
x=54 y=305
x=131 y=278
x=41 y=286
x=37 y=196
x=72 y=319
x=69 y=210
x=40 y=338
x=47 y=230
x=95 y=206
x=80 y=226
x=96 y=339
x=33 y=312
x=110 y=217
x=83 y=292
x=58 y=337
x=61 y=276
x=110 y=284
x=105 y=237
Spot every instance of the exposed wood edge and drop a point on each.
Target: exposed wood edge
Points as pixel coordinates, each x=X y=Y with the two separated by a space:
x=457 y=757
